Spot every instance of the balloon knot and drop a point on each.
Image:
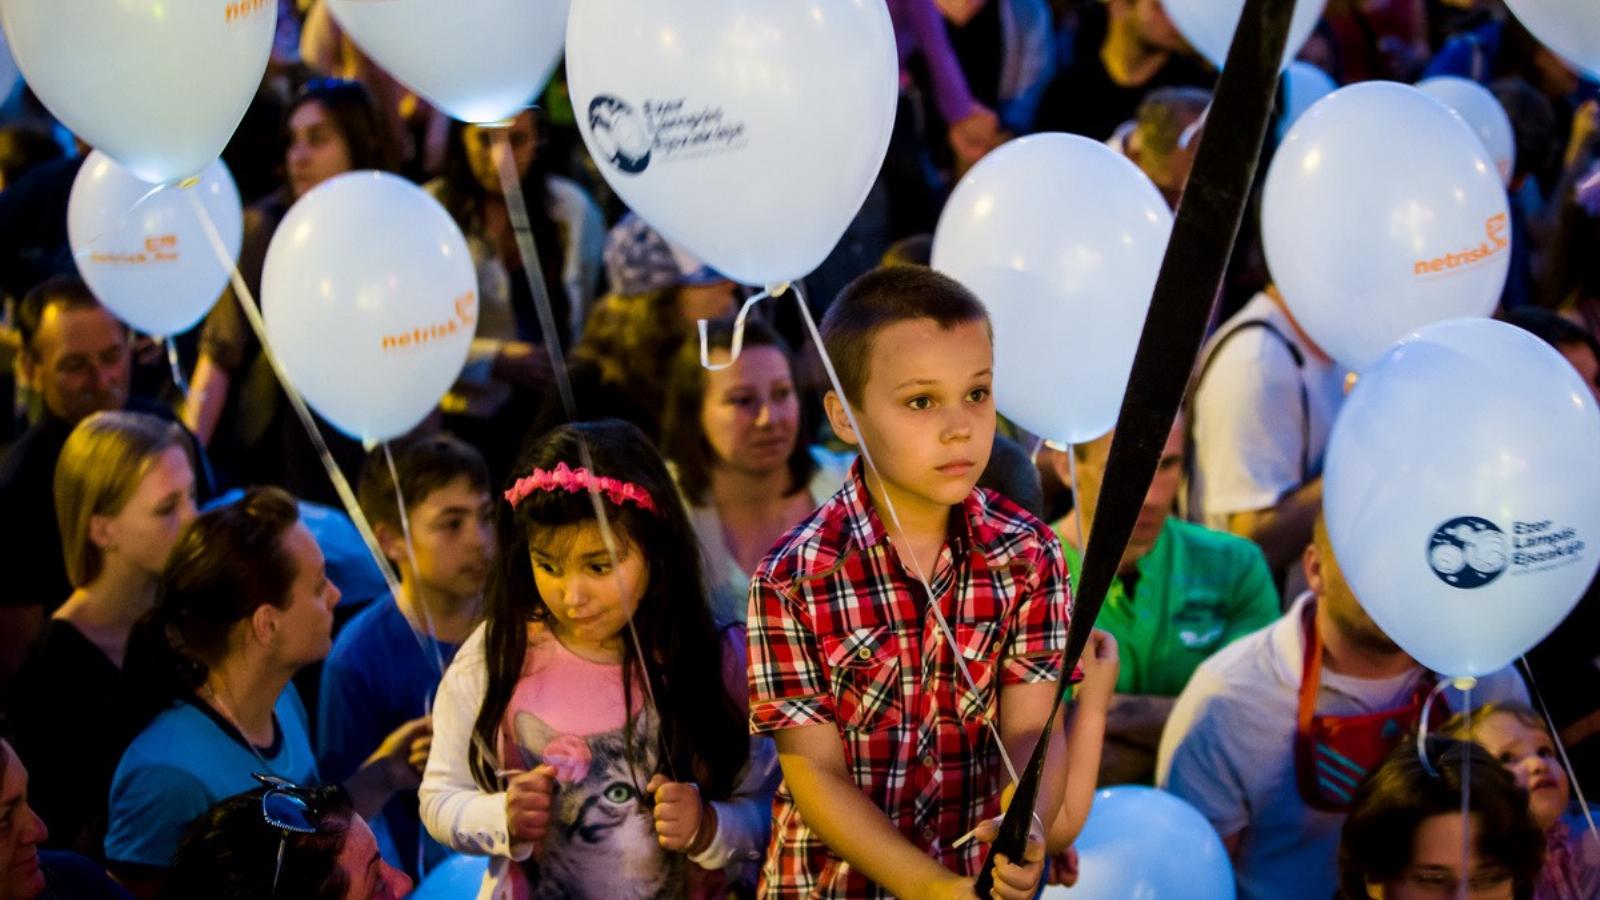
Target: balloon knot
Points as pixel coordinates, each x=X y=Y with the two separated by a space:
x=1465 y=683
x=779 y=289
x=189 y=182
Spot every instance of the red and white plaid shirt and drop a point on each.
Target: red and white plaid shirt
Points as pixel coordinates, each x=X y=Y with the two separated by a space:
x=841 y=633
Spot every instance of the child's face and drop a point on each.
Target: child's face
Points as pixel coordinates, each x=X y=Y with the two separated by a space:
x=589 y=600
x=452 y=534
x=927 y=410
x=1531 y=756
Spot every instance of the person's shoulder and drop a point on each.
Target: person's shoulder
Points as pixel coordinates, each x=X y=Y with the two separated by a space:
x=1242 y=667
x=71 y=875
x=567 y=194
x=1008 y=517
x=817 y=543
x=367 y=632
x=1220 y=547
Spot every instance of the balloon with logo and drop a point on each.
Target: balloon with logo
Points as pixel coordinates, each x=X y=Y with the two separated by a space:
x=1381 y=213
x=143 y=250
x=159 y=87
x=1303 y=85
x=1569 y=27
x=747 y=131
x=1061 y=238
x=478 y=60
x=1126 y=850
x=1462 y=496
x=1482 y=112
x=1208 y=25
x=370 y=301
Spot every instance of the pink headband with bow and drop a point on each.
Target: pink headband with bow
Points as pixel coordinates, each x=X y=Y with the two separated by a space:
x=574 y=480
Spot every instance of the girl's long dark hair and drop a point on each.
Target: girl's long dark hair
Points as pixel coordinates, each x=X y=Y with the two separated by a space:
x=703 y=737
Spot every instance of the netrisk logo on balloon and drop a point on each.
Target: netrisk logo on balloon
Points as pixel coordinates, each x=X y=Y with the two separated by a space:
x=660 y=131
x=242 y=9
x=465 y=319
x=1470 y=552
x=1495 y=242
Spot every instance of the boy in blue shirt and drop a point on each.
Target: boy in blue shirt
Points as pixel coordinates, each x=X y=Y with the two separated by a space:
x=387 y=661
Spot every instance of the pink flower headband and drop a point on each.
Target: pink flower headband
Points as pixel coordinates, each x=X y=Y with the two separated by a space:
x=575 y=480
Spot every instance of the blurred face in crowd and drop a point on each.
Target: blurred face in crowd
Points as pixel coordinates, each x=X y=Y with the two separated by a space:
x=317 y=149
x=1158 y=500
x=1530 y=754
x=79 y=361
x=482 y=154
x=1326 y=580
x=452 y=535
x=147 y=527
x=1583 y=359
x=926 y=410
x=369 y=877
x=302 y=631
x=1436 y=870
x=1152 y=25
x=751 y=414
x=21 y=832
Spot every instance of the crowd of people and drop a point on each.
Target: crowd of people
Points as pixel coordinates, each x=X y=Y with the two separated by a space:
x=691 y=644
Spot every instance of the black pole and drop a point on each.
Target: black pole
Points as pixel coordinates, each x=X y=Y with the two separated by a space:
x=1191 y=275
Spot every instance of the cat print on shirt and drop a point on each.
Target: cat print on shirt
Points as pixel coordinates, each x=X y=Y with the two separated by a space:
x=602 y=840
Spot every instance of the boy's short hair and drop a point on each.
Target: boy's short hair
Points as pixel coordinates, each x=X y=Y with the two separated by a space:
x=884 y=297
x=424 y=464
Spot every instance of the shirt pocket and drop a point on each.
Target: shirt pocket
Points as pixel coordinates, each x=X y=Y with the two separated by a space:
x=865 y=667
x=1199 y=624
x=980 y=652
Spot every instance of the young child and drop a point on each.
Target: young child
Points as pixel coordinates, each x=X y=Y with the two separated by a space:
x=387 y=661
x=887 y=754
x=1516 y=735
x=603 y=768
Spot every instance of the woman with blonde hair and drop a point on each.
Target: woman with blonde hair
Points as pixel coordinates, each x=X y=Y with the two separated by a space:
x=124 y=488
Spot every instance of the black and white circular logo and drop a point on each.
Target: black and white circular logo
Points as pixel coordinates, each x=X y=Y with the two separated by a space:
x=1468 y=552
x=620 y=134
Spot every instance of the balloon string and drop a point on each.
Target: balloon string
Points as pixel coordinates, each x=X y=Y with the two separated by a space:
x=429 y=640
x=738 y=330
x=1561 y=747
x=532 y=269
x=1077 y=495
x=252 y=314
x=1423 y=729
x=894 y=518
x=1462 y=889
x=175 y=364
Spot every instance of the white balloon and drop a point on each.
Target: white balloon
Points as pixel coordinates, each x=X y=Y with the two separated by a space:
x=748 y=131
x=10 y=76
x=144 y=251
x=1062 y=238
x=1303 y=85
x=1482 y=113
x=1382 y=212
x=159 y=85
x=370 y=299
x=1569 y=27
x=1208 y=25
x=1143 y=844
x=1462 y=496
x=478 y=60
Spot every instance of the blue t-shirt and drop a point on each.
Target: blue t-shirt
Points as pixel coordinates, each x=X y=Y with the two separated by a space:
x=377 y=678
x=185 y=762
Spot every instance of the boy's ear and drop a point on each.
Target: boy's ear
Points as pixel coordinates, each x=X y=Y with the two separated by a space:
x=391 y=542
x=834 y=405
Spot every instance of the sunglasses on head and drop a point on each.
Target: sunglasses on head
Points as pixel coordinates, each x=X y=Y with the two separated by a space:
x=290 y=808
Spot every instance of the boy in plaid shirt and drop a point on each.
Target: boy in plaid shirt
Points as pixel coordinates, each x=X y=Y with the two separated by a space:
x=887 y=751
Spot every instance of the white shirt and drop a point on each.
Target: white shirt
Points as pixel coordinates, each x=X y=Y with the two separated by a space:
x=1228 y=749
x=1250 y=421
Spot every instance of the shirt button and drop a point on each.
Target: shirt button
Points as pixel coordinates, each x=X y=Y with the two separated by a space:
x=930 y=835
x=929 y=761
x=864 y=653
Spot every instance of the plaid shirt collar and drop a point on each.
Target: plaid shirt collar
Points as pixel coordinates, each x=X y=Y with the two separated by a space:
x=973 y=526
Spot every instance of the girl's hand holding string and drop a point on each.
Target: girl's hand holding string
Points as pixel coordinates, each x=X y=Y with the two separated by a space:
x=529 y=799
x=684 y=822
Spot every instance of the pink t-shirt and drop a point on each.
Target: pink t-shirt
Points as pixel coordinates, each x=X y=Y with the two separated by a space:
x=569 y=712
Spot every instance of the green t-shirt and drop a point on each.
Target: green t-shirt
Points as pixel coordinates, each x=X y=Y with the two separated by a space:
x=1197 y=591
